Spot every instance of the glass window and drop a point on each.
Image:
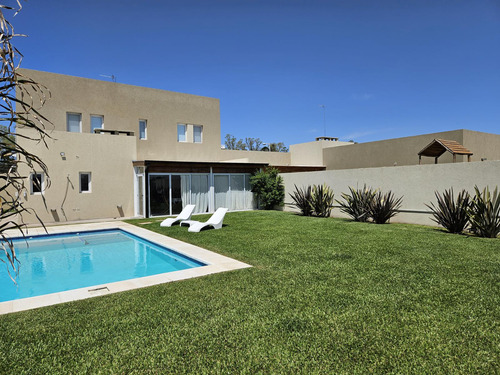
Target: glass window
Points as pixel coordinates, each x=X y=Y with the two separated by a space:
x=36 y=183
x=197 y=131
x=250 y=200
x=96 y=122
x=142 y=129
x=237 y=192
x=74 y=122
x=181 y=133
x=221 y=187
x=85 y=181
x=200 y=192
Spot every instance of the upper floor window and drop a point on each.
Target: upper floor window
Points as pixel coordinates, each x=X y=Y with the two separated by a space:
x=85 y=182
x=74 y=122
x=197 y=132
x=96 y=122
x=181 y=133
x=143 y=125
x=36 y=183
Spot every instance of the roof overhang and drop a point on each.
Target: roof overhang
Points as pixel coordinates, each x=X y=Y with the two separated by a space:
x=197 y=166
x=162 y=166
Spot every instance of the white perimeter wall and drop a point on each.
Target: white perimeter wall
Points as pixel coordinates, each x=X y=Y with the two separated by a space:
x=416 y=184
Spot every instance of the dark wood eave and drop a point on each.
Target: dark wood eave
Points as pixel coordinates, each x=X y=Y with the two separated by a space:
x=147 y=163
x=218 y=167
x=299 y=168
x=161 y=166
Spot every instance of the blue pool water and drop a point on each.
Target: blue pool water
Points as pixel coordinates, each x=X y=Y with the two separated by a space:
x=55 y=263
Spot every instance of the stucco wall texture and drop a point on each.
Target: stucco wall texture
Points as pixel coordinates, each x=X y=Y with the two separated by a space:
x=107 y=157
x=124 y=105
x=404 y=151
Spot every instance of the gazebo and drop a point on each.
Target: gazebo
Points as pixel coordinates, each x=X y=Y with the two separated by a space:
x=439 y=146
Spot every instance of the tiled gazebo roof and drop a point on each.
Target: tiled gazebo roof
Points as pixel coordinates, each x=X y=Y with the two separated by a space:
x=439 y=146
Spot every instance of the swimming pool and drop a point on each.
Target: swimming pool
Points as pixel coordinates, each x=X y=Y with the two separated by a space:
x=215 y=263
x=62 y=262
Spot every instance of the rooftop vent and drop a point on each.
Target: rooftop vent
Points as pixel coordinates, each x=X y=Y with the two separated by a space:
x=334 y=139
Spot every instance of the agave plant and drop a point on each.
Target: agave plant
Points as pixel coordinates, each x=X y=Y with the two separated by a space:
x=302 y=200
x=484 y=213
x=357 y=204
x=451 y=214
x=384 y=206
x=322 y=200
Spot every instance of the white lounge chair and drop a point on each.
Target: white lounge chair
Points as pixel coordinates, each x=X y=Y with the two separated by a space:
x=184 y=215
x=214 y=221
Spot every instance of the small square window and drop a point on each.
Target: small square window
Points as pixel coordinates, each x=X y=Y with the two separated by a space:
x=96 y=122
x=197 y=132
x=74 y=122
x=36 y=183
x=143 y=127
x=181 y=132
x=85 y=182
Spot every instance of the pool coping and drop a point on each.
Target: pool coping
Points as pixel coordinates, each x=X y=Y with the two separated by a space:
x=216 y=263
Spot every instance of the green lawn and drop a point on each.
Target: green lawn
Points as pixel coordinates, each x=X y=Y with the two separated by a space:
x=324 y=296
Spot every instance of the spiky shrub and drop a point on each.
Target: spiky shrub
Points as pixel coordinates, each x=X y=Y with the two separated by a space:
x=484 y=213
x=322 y=200
x=302 y=200
x=384 y=206
x=451 y=214
x=357 y=203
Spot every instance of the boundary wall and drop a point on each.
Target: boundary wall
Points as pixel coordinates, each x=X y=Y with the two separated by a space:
x=416 y=183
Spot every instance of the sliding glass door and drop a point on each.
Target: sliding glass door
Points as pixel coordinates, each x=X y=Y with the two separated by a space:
x=233 y=191
x=170 y=193
x=200 y=192
x=237 y=192
x=159 y=195
x=176 y=199
x=221 y=189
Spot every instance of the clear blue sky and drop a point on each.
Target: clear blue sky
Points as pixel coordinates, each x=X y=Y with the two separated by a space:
x=383 y=69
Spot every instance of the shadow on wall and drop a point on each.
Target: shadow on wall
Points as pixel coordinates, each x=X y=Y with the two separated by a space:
x=55 y=215
x=68 y=184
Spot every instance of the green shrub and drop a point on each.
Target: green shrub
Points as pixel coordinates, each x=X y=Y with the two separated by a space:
x=451 y=214
x=322 y=200
x=484 y=213
x=384 y=206
x=268 y=187
x=357 y=203
x=302 y=200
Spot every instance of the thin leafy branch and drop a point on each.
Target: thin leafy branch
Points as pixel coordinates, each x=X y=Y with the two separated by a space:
x=20 y=106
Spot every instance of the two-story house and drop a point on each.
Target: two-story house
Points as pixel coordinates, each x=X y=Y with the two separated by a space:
x=118 y=150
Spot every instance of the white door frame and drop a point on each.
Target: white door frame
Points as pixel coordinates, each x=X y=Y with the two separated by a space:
x=139 y=172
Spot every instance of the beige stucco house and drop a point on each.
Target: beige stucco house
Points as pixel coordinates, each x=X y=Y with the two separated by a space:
x=118 y=150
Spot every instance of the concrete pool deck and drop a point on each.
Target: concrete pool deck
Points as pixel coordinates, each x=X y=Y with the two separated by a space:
x=215 y=263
